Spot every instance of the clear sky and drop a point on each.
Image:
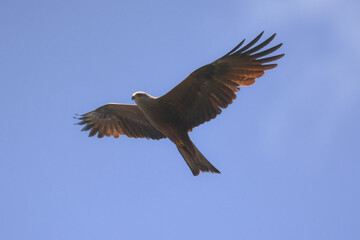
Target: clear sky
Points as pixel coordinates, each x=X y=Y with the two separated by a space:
x=288 y=147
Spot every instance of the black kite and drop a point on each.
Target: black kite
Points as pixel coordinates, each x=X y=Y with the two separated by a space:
x=197 y=99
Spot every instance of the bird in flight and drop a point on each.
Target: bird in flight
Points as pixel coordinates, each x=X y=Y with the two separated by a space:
x=197 y=99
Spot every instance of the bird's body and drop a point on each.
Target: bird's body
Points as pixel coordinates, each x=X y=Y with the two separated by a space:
x=159 y=115
x=164 y=119
x=197 y=99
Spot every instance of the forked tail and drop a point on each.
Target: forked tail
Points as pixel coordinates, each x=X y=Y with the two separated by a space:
x=194 y=159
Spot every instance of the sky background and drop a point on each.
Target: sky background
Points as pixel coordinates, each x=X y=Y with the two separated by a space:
x=288 y=147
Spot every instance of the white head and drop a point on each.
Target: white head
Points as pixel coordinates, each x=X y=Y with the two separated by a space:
x=139 y=96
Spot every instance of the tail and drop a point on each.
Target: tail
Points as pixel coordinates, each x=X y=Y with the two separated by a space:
x=194 y=159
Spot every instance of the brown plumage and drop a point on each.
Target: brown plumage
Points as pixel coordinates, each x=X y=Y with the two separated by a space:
x=197 y=99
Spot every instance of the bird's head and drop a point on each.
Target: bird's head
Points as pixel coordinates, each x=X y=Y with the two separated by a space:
x=138 y=96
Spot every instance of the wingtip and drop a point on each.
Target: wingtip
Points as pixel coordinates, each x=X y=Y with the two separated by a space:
x=76 y=116
x=235 y=48
x=270 y=66
x=260 y=35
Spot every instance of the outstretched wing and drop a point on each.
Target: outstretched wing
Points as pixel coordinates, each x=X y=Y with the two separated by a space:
x=118 y=119
x=200 y=97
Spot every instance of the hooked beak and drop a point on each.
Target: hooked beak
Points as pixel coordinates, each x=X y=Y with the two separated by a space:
x=133 y=98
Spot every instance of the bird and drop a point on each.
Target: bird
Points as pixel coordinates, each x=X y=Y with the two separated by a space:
x=196 y=100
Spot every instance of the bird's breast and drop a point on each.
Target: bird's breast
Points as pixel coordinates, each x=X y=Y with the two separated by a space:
x=161 y=117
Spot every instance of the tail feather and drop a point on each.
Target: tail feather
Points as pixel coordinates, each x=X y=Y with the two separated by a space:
x=195 y=160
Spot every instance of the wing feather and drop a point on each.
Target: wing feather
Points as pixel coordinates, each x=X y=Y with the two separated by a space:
x=118 y=119
x=250 y=44
x=202 y=95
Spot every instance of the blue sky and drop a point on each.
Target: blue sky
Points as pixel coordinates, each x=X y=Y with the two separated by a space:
x=288 y=147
